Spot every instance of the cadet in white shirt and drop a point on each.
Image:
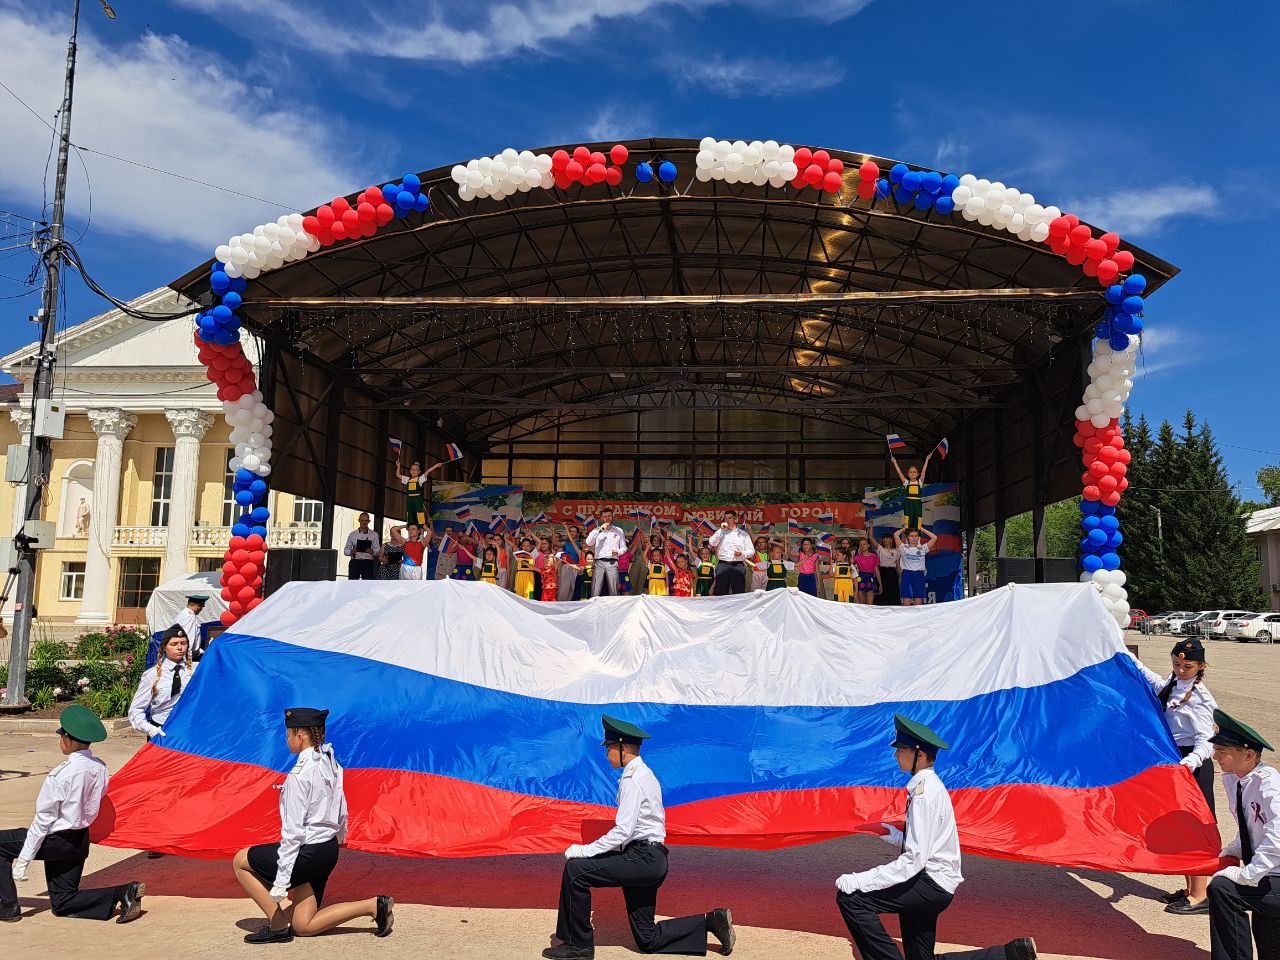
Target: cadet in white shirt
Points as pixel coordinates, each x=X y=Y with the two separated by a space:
x=59 y=835
x=159 y=689
x=608 y=543
x=921 y=882
x=189 y=621
x=313 y=824
x=733 y=549
x=1188 y=710
x=1253 y=793
x=633 y=855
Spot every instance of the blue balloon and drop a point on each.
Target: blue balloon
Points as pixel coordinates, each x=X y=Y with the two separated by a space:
x=1109 y=523
x=1119 y=341
x=1111 y=561
x=389 y=192
x=923 y=201
x=949 y=184
x=245 y=476
x=225 y=337
x=1135 y=284
x=422 y=203
x=644 y=172
x=400 y=212
x=898 y=171
x=208 y=335
x=1091 y=563
x=1105 y=511
x=219 y=281
x=1136 y=324
x=1123 y=323
x=911 y=180
x=1115 y=294
x=260 y=530
x=231 y=299
x=411 y=183
x=944 y=203
x=258 y=487
x=1097 y=538
x=1102 y=331
x=902 y=195
x=222 y=313
x=931 y=182
x=1089 y=522
x=405 y=200
x=206 y=322
x=666 y=171
x=239 y=284
x=260 y=514
x=244 y=498
x=1131 y=305
x=1115 y=539
x=882 y=188
x=1090 y=506
x=1086 y=547
x=241 y=530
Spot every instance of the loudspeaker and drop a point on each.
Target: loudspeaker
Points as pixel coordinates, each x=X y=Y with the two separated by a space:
x=286 y=564
x=1023 y=570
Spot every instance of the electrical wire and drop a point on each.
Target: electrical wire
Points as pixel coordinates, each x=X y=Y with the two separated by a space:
x=182 y=176
x=72 y=257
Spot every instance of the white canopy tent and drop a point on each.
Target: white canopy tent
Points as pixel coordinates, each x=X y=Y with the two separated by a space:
x=169 y=598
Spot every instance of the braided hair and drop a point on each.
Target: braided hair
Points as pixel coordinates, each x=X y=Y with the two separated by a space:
x=174 y=633
x=1167 y=692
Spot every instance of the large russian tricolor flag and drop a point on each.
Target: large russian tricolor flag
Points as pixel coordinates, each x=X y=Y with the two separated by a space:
x=468 y=723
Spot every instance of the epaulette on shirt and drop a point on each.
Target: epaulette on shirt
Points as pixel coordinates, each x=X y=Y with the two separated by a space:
x=920 y=789
x=297 y=767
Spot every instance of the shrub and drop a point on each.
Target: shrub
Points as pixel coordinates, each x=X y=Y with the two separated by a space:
x=4 y=675
x=42 y=676
x=45 y=652
x=101 y=674
x=91 y=646
x=112 y=701
x=43 y=699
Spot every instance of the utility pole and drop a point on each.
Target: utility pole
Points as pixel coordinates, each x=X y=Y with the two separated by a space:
x=40 y=459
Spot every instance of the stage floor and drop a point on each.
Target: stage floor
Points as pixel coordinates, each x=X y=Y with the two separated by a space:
x=783 y=900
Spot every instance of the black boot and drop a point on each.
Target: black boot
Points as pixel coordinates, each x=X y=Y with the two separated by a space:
x=385 y=916
x=720 y=926
x=266 y=935
x=568 y=952
x=10 y=912
x=1024 y=948
x=131 y=902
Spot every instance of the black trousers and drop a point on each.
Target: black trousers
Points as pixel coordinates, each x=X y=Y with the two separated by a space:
x=1230 y=904
x=917 y=902
x=64 y=854
x=639 y=870
x=731 y=577
x=362 y=569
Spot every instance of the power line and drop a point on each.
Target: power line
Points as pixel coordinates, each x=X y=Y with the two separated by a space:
x=182 y=176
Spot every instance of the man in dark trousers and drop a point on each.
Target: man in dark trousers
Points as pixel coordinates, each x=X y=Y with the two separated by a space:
x=633 y=855
x=733 y=549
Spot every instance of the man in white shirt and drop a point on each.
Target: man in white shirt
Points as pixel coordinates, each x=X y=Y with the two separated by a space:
x=1252 y=886
x=733 y=549
x=189 y=620
x=59 y=834
x=362 y=547
x=921 y=882
x=608 y=543
x=633 y=855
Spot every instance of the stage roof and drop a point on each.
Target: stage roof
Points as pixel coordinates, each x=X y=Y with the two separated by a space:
x=676 y=337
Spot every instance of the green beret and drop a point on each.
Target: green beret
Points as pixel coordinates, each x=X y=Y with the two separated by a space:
x=198 y=599
x=1233 y=733
x=619 y=731
x=916 y=736
x=80 y=723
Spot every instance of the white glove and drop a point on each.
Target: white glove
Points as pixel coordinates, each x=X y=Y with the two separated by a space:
x=1232 y=874
x=893 y=837
x=847 y=883
x=574 y=852
x=1190 y=762
x=156 y=731
x=20 y=868
x=279 y=893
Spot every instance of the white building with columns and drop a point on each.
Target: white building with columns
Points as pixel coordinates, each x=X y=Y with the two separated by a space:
x=139 y=491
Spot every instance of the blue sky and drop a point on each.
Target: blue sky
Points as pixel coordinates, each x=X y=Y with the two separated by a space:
x=1149 y=118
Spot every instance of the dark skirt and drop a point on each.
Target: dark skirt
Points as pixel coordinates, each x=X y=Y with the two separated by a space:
x=389 y=571
x=314 y=864
x=808 y=583
x=1204 y=779
x=888 y=595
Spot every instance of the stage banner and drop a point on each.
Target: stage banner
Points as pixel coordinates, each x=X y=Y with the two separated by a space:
x=777 y=515
x=944 y=573
x=476 y=507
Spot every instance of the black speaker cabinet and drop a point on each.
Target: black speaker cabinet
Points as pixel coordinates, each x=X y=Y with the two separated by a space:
x=286 y=564
x=1023 y=570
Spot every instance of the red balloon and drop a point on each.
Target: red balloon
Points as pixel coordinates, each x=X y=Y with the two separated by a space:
x=618 y=154
x=1075 y=256
x=558 y=160
x=228 y=618
x=1118 y=469
x=1091 y=493
x=1078 y=440
x=1090 y=268
x=254 y=603
x=257 y=557
x=1107 y=272
x=239 y=557
x=365 y=211
x=574 y=168
x=351 y=219
x=340 y=205
x=1111 y=499
x=257 y=583
x=228 y=569
x=325 y=217
x=596 y=172
x=1122 y=485
x=613 y=176
x=813 y=174
x=238 y=543
x=383 y=214
x=311 y=224
x=245 y=594
x=582 y=155
x=1072 y=220
x=1112 y=240
x=1058 y=227
x=1097 y=468
x=820 y=157
x=227 y=594
x=866 y=189
x=835 y=165
x=1106 y=483
x=597 y=157
x=801 y=159
x=237 y=608
x=869 y=170
x=562 y=180
x=1123 y=259
x=798 y=182
x=831 y=182
x=248 y=570
x=236 y=581
x=1107 y=453
x=1124 y=456
x=1086 y=428
x=1060 y=244
x=1095 y=249
x=254 y=541
x=339 y=229
x=1080 y=233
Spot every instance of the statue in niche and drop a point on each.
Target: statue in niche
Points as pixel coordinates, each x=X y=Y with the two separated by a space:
x=82 y=518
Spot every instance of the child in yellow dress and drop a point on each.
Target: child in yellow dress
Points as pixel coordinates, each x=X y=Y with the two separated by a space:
x=842 y=574
x=489 y=566
x=657 y=576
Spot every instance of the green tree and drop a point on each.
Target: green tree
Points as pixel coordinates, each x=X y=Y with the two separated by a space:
x=1269 y=481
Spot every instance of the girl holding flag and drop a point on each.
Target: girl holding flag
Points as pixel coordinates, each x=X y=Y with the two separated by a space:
x=464 y=553
x=523 y=585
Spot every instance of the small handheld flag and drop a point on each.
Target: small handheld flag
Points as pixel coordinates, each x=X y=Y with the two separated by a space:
x=454 y=451
x=764 y=528
x=590 y=523
x=678 y=542
x=445 y=542
x=943 y=448
x=396 y=446
x=464 y=513
x=580 y=516
x=895 y=441
x=826 y=517
x=824 y=549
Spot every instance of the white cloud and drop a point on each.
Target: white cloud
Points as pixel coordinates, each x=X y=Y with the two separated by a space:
x=1145 y=212
x=951 y=153
x=615 y=121
x=754 y=76
x=168 y=104
x=1166 y=346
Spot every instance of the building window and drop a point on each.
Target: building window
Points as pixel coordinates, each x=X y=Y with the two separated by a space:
x=209 y=564
x=72 y=587
x=162 y=487
x=307 y=511
x=138 y=577
x=229 y=505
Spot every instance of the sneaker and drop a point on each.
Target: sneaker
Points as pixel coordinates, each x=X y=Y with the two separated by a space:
x=131 y=902
x=266 y=935
x=385 y=917
x=720 y=926
x=1024 y=948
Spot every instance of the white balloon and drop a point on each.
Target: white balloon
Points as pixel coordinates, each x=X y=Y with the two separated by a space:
x=250 y=462
x=264 y=470
x=484 y=164
x=510 y=155
x=704 y=159
x=707 y=144
x=234 y=464
x=789 y=170
x=1040 y=232
x=543 y=162
x=961 y=195
x=295 y=222
x=769 y=150
x=702 y=174
x=1085 y=577
x=721 y=149
x=222 y=253
x=233 y=269
x=968 y=180
x=975 y=205
x=1100 y=420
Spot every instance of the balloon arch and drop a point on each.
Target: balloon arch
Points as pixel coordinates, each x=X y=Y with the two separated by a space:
x=826 y=178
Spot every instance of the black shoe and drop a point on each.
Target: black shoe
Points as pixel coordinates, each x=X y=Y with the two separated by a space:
x=385 y=916
x=131 y=902
x=1185 y=908
x=720 y=926
x=266 y=935
x=1173 y=897
x=10 y=912
x=1024 y=948
x=154 y=854
x=569 y=952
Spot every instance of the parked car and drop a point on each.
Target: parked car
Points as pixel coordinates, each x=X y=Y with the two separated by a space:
x=1263 y=627
x=1159 y=623
x=1177 y=621
x=1218 y=626
x=1138 y=619
x=1197 y=626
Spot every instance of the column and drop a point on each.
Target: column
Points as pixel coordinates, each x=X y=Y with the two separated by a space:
x=111 y=425
x=21 y=418
x=189 y=426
